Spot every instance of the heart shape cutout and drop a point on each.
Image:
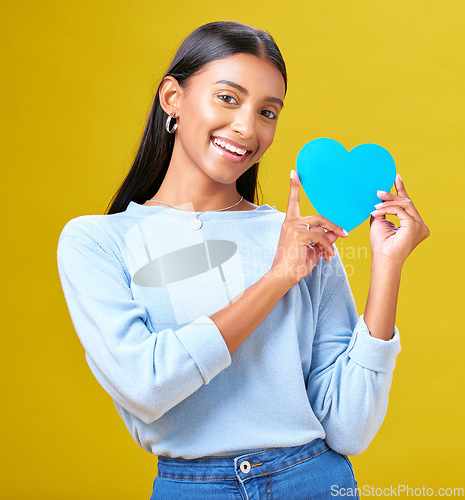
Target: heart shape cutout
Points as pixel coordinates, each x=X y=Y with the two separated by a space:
x=341 y=185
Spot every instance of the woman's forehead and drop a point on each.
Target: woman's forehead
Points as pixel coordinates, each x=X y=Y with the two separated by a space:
x=246 y=70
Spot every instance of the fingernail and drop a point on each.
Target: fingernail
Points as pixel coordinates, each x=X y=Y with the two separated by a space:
x=381 y=193
x=293 y=172
x=374 y=211
x=345 y=232
x=378 y=205
x=400 y=178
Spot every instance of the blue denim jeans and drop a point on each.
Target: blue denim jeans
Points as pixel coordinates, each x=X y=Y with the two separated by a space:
x=309 y=471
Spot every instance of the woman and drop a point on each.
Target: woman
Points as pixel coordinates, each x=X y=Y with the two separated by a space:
x=230 y=348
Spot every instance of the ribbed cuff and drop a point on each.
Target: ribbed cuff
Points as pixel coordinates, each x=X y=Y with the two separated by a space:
x=205 y=344
x=370 y=352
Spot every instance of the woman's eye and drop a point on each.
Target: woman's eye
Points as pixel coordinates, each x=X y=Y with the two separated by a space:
x=227 y=99
x=269 y=114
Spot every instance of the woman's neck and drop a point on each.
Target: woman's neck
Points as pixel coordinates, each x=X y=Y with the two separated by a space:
x=198 y=196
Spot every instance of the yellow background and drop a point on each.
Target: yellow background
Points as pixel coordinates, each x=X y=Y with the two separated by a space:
x=77 y=84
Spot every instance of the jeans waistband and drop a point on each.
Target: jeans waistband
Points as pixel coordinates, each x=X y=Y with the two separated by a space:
x=244 y=466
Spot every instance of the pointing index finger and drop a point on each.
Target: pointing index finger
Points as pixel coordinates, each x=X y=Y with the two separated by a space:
x=293 y=204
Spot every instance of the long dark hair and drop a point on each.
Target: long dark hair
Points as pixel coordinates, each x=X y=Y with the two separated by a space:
x=207 y=43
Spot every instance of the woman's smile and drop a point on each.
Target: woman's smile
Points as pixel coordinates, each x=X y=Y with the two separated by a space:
x=229 y=149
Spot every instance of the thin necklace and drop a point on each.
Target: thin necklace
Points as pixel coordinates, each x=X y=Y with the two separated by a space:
x=196 y=223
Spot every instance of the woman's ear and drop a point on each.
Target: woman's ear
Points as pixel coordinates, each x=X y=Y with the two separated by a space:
x=169 y=94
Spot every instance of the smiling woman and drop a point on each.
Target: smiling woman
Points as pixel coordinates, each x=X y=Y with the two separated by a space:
x=226 y=117
x=216 y=76
x=226 y=332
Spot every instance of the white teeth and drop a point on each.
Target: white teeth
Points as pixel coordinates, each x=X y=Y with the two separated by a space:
x=229 y=147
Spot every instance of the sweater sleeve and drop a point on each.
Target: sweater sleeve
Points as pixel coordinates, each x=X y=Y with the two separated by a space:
x=146 y=372
x=351 y=371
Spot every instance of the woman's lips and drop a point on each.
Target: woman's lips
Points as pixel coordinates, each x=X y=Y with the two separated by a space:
x=231 y=145
x=231 y=156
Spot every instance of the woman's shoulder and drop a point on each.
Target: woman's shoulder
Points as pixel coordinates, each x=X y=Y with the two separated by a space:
x=90 y=237
x=83 y=225
x=98 y=232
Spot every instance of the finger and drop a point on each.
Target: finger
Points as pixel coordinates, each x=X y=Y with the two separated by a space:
x=406 y=204
x=400 y=188
x=318 y=220
x=385 y=196
x=316 y=251
x=399 y=212
x=319 y=251
x=293 y=204
x=318 y=237
x=326 y=256
x=331 y=238
x=374 y=218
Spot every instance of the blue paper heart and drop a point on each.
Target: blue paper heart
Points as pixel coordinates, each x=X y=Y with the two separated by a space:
x=342 y=185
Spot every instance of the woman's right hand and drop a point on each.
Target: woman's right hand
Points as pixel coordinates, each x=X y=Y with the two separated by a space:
x=294 y=258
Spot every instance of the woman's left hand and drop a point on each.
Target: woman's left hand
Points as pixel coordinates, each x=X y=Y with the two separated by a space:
x=388 y=241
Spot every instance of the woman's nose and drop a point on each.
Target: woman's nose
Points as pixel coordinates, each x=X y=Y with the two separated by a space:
x=244 y=123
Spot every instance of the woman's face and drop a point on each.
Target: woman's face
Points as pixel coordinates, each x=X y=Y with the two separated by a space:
x=227 y=115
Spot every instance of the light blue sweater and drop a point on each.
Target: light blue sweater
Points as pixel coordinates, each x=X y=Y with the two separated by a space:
x=140 y=286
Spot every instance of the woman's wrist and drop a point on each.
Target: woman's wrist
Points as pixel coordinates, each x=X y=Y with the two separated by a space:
x=278 y=281
x=386 y=264
x=380 y=310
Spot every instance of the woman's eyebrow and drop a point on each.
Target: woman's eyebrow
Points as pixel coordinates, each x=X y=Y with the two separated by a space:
x=245 y=91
